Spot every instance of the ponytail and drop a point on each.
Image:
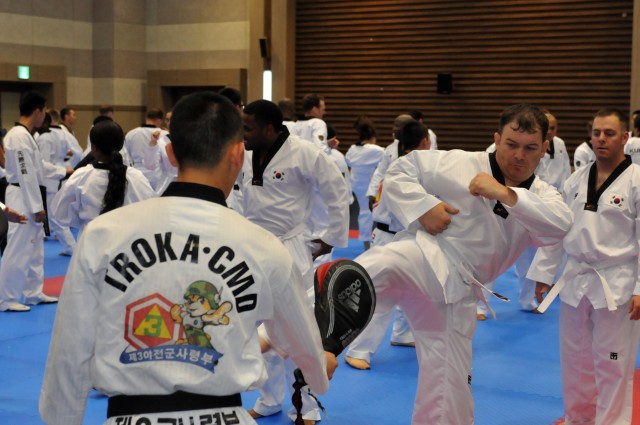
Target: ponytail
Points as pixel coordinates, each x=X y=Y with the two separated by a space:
x=117 y=186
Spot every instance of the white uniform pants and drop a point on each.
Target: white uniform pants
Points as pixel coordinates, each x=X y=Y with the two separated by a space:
x=64 y=233
x=365 y=217
x=598 y=351
x=22 y=267
x=367 y=343
x=443 y=332
x=280 y=371
x=527 y=297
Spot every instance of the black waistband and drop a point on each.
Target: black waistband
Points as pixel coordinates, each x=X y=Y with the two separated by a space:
x=125 y=405
x=15 y=184
x=384 y=227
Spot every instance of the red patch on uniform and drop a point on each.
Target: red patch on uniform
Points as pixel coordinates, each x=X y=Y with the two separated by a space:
x=148 y=323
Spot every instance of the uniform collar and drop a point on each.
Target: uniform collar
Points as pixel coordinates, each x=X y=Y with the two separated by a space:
x=195 y=190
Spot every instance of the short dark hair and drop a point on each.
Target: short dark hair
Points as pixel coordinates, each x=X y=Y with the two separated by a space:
x=416 y=114
x=105 y=109
x=607 y=112
x=101 y=118
x=265 y=112
x=203 y=124
x=30 y=101
x=310 y=101
x=64 y=112
x=55 y=115
x=529 y=118
x=636 y=123
x=232 y=94
x=412 y=134
x=287 y=108
x=155 y=114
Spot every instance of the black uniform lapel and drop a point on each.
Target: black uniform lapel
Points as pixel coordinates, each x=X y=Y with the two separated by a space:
x=258 y=169
x=593 y=195
x=499 y=209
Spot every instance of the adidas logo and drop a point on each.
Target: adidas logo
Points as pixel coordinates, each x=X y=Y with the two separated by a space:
x=351 y=295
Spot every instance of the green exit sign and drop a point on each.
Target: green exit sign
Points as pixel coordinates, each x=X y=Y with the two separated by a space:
x=23 y=72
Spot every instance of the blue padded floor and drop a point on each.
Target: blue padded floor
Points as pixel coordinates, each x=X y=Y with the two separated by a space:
x=516 y=368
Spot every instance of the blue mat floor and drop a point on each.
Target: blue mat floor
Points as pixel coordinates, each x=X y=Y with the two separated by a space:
x=516 y=376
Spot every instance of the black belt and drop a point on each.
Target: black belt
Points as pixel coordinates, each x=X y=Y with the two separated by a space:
x=126 y=405
x=15 y=184
x=384 y=227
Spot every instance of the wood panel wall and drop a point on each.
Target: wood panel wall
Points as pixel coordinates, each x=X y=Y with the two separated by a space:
x=382 y=57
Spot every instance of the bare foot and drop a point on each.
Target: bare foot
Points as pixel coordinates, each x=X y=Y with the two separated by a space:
x=254 y=414
x=357 y=363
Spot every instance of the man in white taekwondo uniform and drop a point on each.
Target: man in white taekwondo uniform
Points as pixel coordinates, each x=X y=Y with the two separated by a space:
x=161 y=315
x=136 y=143
x=54 y=145
x=554 y=168
x=469 y=215
x=280 y=176
x=67 y=123
x=600 y=288
x=312 y=127
x=22 y=268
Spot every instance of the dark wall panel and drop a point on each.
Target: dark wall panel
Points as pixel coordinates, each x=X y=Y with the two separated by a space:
x=382 y=58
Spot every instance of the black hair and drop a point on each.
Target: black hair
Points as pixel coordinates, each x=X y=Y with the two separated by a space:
x=64 y=112
x=416 y=114
x=30 y=101
x=105 y=109
x=310 y=101
x=154 y=114
x=46 y=124
x=331 y=132
x=529 y=118
x=412 y=134
x=101 y=118
x=107 y=137
x=366 y=131
x=202 y=126
x=265 y=113
x=232 y=94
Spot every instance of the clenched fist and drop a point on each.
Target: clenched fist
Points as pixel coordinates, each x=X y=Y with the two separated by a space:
x=437 y=219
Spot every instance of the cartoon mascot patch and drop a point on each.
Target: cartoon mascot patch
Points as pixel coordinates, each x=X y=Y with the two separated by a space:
x=160 y=330
x=201 y=308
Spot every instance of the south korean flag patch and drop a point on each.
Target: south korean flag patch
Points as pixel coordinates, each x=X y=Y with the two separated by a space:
x=616 y=201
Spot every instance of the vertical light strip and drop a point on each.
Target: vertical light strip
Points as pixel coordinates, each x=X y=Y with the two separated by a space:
x=266 y=84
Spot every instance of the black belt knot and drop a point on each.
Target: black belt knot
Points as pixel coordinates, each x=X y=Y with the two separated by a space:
x=384 y=227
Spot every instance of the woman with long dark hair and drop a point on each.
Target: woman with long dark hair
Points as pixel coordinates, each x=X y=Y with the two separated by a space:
x=103 y=185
